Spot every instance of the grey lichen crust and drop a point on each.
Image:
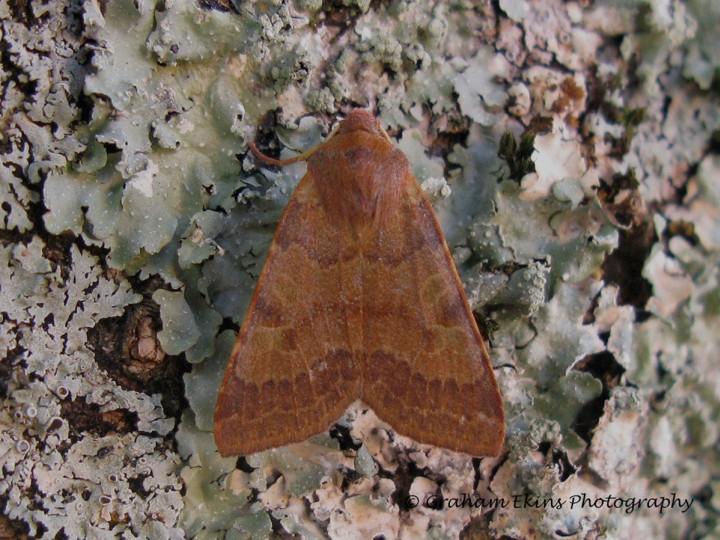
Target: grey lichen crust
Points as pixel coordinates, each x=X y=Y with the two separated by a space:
x=571 y=154
x=87 y=486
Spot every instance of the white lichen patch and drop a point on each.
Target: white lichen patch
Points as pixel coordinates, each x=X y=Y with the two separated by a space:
x=673 y=285
x=55 y=478
x=556 y=160
x=616 y=450
x=702 y=204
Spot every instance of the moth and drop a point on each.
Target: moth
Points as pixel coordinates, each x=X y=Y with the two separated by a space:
x=359 y=299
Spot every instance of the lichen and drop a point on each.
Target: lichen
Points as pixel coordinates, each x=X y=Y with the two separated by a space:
x=57 y=477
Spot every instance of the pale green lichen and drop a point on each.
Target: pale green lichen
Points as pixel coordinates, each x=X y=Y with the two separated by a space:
x=658 y=29
x=702 y=63
x=180 y=332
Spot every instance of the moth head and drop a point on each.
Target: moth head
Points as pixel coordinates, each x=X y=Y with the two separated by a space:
x=360 y=120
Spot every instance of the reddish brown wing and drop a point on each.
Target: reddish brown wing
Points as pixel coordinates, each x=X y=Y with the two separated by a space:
x=427 y=372
x=293 y=371
x=359 y=298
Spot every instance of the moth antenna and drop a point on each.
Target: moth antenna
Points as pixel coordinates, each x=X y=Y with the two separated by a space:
x=280 y=162
x=300 y=157
x=385 y=133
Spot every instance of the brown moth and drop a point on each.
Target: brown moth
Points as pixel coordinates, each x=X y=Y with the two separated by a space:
x=359 y=299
